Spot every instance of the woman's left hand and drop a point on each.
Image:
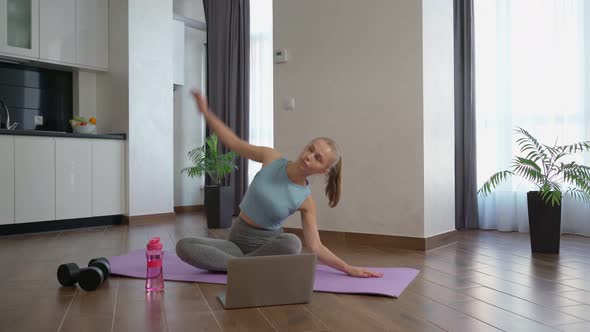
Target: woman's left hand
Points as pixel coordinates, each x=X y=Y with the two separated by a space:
x=363 y=273
x=202 y=104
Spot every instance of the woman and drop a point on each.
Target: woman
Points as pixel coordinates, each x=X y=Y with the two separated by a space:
x=277 y=191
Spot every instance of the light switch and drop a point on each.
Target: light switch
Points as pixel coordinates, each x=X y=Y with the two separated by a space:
x=289 y=103
x=280 y=56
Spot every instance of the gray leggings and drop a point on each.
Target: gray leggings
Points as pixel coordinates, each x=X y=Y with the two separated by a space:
x=243 y=240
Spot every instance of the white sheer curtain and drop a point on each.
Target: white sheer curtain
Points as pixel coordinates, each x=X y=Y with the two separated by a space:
x=532 y=71
x=261 y=78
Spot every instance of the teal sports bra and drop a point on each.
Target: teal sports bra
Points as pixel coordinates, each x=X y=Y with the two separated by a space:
x=272 y=197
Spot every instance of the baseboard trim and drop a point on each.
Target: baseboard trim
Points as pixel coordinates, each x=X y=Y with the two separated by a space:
x=148 y=218
x=385 y=241
x=58 y=225
x=189 y=208
x=441 y=240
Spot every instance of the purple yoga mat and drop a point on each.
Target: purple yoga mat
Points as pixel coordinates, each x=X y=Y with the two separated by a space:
x=327 y=279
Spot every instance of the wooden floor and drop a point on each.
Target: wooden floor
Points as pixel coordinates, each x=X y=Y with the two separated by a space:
x=487 y=281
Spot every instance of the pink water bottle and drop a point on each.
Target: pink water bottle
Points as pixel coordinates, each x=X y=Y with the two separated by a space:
x=154 y=280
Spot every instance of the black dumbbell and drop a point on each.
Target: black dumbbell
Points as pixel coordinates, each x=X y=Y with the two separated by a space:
x=98 y=270
x=67 y=274
x=89 y=278
x=103 y=264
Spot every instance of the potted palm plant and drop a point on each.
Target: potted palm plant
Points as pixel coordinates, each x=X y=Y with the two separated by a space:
x=219 y=198
x=546 y=168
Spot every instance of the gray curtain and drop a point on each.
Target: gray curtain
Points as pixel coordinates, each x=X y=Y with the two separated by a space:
x=228 y=49
x=466 y=214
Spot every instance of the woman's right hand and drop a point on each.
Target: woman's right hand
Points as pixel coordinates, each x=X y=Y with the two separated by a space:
x=202 y=104
x=363 y=273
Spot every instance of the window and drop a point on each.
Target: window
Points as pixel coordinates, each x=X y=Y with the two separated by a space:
x=261 y=78
x=531 y=71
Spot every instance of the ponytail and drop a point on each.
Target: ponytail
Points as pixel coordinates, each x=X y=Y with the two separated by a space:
x=334 y=183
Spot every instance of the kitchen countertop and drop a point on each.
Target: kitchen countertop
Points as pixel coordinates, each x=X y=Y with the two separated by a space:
x=60 y=134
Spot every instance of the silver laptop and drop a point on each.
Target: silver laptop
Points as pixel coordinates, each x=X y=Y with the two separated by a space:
x=269 y=280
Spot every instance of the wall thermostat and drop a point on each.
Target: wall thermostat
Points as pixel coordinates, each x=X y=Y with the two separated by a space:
x=288 y=103
x=280 y=56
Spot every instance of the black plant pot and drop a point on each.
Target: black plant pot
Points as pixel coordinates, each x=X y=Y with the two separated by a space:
x=544 y=224
x=219 y=206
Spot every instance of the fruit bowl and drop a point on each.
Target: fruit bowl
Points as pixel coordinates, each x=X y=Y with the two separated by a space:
x=82 y=126
x=87 y=129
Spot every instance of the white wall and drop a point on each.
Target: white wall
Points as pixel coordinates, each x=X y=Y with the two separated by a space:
x=84 y=94
x=439 y=126
x=112 y=87
x=150 y=135
x=189 y=127
x=135 y=97
x=587 y=65
x=377 y=76
x=356 y=75
x=190 y=8
x=105 y=95
x=112 y=109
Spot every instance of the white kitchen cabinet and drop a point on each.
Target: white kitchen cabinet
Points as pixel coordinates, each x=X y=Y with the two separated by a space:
x=6 y=180
x=73 y=178
x=34 y=176
x=92 y=34
x=108 y=177
x=57 y=35
x=178 y=60
x=19 y=28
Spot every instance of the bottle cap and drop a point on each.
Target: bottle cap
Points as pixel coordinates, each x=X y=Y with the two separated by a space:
x=154 y=244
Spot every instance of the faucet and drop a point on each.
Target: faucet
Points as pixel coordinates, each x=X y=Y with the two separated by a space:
x=8 y=125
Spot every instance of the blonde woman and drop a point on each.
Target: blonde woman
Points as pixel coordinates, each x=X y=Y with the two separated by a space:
x=277 y=191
